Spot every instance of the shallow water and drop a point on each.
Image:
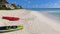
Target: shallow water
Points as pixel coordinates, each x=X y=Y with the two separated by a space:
x=55 y=12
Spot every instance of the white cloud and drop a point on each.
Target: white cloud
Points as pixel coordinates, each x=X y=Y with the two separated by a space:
x=51 y=5
x=54 y=5
x=47 y=5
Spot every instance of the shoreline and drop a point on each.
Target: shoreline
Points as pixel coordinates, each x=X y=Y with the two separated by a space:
x=51 y=16
x=48 y=15
x=53 y=23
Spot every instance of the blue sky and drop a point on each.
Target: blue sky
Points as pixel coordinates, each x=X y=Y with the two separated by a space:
x=37 y=3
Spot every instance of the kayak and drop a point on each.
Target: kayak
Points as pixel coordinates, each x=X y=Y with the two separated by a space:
x=4 y=29
x=10 y=18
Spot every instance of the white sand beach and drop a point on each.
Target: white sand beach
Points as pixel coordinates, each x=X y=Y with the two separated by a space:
x=34 y=22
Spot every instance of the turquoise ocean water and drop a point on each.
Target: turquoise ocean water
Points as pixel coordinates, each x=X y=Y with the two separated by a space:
x=51 y=11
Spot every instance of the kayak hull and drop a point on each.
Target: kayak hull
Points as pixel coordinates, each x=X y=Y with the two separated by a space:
x=11 y=18
x=10 y=28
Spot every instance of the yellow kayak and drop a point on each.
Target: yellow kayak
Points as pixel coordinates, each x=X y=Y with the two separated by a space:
x=10 y=28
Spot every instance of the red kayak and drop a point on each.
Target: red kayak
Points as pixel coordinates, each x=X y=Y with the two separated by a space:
x=11 y=18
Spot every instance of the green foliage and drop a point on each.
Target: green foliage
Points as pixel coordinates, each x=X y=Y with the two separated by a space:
x=4 y=8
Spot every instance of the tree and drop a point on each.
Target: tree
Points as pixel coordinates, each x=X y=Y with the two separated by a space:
x=3 y=1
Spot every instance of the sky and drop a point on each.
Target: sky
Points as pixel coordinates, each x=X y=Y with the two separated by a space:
x=37 y=3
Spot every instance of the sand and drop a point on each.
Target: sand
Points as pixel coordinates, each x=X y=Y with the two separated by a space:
x=34 y=22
